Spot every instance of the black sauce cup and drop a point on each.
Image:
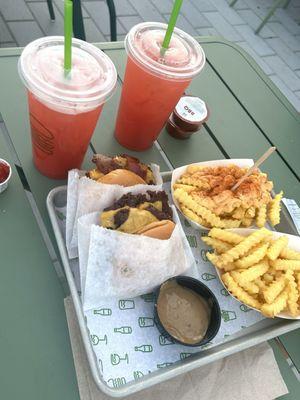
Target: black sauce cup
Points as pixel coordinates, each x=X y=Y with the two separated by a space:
x=201 y=289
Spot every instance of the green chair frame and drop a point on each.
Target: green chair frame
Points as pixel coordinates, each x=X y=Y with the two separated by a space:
x=277 y=3
x=78 y=25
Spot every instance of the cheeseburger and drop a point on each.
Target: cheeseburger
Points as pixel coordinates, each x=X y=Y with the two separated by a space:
x=121 y=170
x=142 y=214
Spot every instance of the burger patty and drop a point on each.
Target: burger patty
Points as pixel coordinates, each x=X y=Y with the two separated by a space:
x=136 y=200
x=131 y=211
x=106 y=164
x=120 y=217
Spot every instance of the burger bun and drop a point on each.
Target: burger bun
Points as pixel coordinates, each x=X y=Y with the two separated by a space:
x=122 y=177
x=158 y=230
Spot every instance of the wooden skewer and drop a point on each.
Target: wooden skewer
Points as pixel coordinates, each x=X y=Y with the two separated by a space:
x=256 y=165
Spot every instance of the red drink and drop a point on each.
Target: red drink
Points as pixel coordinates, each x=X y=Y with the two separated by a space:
x=64 y=109
x=154 y=83
x=53 y=135
x=145 y=106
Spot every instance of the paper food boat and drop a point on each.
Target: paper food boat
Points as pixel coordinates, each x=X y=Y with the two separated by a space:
x=243 y=163
x=294 y=244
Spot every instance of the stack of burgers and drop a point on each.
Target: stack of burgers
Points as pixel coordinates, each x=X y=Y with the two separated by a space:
x=142 y=214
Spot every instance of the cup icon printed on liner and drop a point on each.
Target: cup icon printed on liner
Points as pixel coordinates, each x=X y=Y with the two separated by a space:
x=126 y=304
x=163 y=341
x=115 y=358
x=96 y=339
x=224 y=292
x=203 y=254
x=148 y=298
x=145 y=322
x=192 y=241
x=228 y=315
x=244 y=308
x=207 y=276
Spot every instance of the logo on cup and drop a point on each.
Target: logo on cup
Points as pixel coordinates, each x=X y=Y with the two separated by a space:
x=42 y=138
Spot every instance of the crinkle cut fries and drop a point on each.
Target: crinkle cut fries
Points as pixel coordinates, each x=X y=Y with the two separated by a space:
x=260 y=271
x=204 y=196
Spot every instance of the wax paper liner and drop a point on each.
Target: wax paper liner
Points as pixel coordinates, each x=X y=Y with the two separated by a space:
x=86 y=196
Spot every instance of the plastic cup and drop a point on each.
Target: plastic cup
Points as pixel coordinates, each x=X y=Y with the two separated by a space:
x=153 y=84
x=64 y=110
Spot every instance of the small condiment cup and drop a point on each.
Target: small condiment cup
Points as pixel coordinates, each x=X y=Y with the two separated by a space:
x=203 y=291
x=3 y=185
x=175 y=131
x=187 y=118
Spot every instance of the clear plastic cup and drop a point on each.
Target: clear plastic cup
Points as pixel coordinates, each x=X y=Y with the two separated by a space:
x=64 y=110
x=153 y=84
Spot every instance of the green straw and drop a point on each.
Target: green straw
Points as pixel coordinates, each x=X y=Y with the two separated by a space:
x=171 y=25
x=68 y=28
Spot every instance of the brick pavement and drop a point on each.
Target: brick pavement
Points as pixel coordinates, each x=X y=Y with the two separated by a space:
x=276 y=49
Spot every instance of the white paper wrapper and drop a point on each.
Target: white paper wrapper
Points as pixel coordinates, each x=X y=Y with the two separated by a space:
x=115 y=264
x=86 y=196
x=181 y=170
x=294 y=244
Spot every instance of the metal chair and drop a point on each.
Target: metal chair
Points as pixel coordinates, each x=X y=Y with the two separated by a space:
x=277 y=3
x=51 y=10
x=78 y=26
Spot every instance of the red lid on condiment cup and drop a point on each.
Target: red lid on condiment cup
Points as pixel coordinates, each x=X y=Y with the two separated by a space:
x=190 y=113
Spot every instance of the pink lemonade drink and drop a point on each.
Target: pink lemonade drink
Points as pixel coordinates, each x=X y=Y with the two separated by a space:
x=64 y=110
x=153 y=83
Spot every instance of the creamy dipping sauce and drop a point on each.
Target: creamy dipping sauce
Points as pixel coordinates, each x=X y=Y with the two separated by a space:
x=183 y=313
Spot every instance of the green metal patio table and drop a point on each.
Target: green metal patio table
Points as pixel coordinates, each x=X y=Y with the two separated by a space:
x=247 y=115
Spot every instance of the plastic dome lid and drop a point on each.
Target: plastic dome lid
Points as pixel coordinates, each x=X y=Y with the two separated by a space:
x=91 y=81
x=183 y=59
